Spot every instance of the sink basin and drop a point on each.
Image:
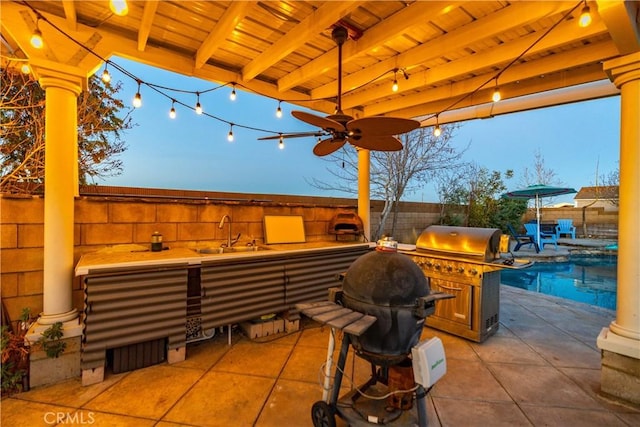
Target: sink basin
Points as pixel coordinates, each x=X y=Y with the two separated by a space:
x=233 y=249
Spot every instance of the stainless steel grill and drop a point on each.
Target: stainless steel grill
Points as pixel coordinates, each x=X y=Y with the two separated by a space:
x=465 y=262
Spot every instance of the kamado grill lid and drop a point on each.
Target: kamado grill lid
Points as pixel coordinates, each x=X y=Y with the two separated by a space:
x=481 y=244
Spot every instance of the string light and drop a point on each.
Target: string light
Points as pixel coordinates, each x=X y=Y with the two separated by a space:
x=137 y=99
x=436 y=130
x=585 y=16
x=230 y=134
x=198 y=106
x=119 y=7
x=281 y=142
x=232 y=96
x=36 y=38
x=496 y=93
x=25 y=69
x=394 y=87
x=279 y=110
x=172 y=112
x=106 y=77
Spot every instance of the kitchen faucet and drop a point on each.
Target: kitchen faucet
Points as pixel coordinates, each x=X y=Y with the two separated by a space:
x=229 y=242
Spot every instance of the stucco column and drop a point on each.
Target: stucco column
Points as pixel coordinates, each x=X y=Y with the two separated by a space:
x=364 y=191
x=620 y=342
x=60 y=187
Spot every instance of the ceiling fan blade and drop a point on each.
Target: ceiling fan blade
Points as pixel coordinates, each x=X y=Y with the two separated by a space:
x=328 y=146
x=377 y=143
x=291 y=135
x=382 y=125
x=321 y=122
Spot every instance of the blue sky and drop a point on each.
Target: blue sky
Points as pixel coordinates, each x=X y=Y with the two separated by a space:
x=192 y=152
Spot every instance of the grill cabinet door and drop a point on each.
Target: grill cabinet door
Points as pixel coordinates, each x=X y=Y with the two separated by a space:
x=456 y=309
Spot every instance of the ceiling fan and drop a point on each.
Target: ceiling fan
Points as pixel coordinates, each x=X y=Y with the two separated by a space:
x=371 y=133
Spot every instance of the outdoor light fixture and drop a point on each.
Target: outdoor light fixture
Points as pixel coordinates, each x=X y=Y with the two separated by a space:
x=119 y=7
x=585 y=16
x=230 y=134
x=137 y=99
x=172 y=112
x=106 y=77
x=436 y=130
x=198 y=106
x=496 y=93
x=279 y=110
x=25 y=69
x=394 y=87
x=36 y=38
x=232 y=96
x=281 y=143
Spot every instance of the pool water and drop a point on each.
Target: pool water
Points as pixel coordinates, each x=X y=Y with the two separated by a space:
x=584 y=278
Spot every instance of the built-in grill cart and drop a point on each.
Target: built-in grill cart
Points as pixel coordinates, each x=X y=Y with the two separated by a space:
x=465 y=262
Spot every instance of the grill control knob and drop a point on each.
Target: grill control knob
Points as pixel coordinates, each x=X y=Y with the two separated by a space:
x=460 y=269
x=437 y=266
x=449 y=268
x=473 y=271
x=428 y=263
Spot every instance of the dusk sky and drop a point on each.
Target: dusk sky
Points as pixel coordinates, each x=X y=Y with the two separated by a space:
x=192 y=152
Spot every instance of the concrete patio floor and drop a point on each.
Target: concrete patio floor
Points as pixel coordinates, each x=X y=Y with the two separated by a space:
x=541 y=368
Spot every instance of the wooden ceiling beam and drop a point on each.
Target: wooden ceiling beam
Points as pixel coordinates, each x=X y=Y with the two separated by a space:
x=415 y=14
x=70 y=14
x=592 y=73
x=235 y=13
x=324 y=17
x=150 y=8
x=549 y=65
x=514 y=16
x=621 y=18
x=496 y=57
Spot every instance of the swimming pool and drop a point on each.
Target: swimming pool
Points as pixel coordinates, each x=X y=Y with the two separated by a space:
x=584 y=278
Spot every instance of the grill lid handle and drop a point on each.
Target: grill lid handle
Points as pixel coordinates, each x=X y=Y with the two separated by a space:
x=426 y=306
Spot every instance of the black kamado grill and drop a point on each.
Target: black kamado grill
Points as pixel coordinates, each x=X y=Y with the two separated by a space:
x=381 y=308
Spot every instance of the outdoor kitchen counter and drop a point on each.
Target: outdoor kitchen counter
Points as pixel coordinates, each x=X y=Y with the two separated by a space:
x=136 y=256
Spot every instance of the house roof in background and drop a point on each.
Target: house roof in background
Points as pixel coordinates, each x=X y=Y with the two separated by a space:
x=599 y=192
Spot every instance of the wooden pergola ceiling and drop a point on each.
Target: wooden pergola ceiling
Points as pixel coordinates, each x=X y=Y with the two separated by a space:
x=451 y=51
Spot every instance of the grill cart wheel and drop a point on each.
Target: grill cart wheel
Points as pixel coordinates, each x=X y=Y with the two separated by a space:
x=323 y=415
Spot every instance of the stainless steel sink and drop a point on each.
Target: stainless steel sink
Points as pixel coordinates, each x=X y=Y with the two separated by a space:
x=232 y=249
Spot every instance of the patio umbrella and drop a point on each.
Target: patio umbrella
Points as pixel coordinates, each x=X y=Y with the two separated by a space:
x=536 y=192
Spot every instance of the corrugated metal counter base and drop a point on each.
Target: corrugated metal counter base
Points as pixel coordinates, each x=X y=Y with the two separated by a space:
x=337 y=316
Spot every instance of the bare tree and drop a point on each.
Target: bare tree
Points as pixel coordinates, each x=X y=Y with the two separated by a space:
x=22 y=133
x=396 y=174
x=540 y=173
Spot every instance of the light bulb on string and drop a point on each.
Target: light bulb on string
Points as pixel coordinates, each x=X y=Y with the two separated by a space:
x=172 y=112
x=198 y=106
x=436 y=130
x=585 y=16
x=496 y=93
x=394 y=86
x=232 y=96
x=106 y=77
x=119 y=7
x=137 y=99
x=25 y=69
x=279 y=110
x=36 y=38
x=281 y=142
x=230 y=134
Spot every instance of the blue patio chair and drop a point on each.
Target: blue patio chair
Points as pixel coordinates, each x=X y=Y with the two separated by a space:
x=565 y=226
x=522 y=239
x=545 y=238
